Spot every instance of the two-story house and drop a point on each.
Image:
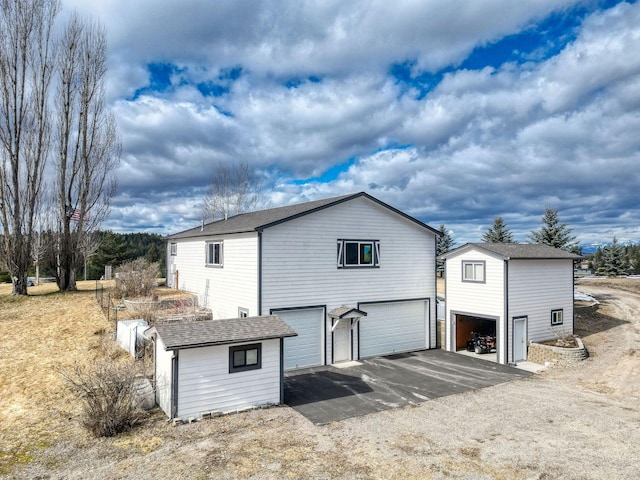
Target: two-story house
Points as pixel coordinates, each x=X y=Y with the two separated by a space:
x=353 y=276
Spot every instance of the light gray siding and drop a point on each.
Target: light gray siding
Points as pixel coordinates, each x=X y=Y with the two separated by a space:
x=205 y=383
x=233 y=285
x=481 y=299
x=535 y=288
x=300 y=261
x=163 y=376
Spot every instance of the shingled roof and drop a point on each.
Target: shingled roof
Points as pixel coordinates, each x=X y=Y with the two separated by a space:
x=261 y=219
x=519 y=251
x=176 y=336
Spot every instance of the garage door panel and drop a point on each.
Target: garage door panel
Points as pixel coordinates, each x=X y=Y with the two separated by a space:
x=393 y=327
x=305 y=350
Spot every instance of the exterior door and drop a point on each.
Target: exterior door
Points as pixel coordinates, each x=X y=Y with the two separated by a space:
x=519 y=339
x=342 y=341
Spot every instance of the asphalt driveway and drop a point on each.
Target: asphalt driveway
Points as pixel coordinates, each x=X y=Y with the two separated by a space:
x=328 y=394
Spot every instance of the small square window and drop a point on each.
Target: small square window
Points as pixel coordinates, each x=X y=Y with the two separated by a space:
x=473 y=271
x=243 y=312
x=556 y=317
x=173 y=249
x=245 y=357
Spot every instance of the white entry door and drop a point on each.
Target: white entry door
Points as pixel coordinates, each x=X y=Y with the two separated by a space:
x=519 y=339
x=342 y=341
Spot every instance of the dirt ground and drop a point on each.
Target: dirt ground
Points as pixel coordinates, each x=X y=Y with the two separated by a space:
x=570 y=422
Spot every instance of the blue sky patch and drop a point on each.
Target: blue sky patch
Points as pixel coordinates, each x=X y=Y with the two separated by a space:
x=537 y=43
x=328 y=175
x=296 y=82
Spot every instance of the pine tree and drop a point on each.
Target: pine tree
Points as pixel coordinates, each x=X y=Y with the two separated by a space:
x=553 y=232
x=444 y=244
x=613 y=260
x=498 y=233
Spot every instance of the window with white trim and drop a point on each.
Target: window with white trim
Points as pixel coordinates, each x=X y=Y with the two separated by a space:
x=173 y=249
x=473 y=270
x=245 y=357
x=556 y=317
x=358 y=253
x=243 y=312
x=214 y=254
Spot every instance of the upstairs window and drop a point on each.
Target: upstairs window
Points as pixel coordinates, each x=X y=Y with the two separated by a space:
x=556 y=317
x=214 y=254
x=473 y=271
x=173 y=249
x=358 y=253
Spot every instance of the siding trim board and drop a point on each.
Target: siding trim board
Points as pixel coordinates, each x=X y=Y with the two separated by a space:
x=259 y=273
x=506 y=315
x=174 y=384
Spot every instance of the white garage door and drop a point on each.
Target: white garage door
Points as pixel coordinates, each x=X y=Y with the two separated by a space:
x=393 y=327
x=305 y=350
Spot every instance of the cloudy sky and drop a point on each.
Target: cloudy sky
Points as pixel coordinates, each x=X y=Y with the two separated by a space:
x=454 y=111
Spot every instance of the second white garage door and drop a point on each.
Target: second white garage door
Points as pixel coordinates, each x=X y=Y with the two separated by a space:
x=305 y=350
x=393 y=327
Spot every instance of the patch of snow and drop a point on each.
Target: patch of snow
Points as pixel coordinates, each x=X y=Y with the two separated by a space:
x=584 y=297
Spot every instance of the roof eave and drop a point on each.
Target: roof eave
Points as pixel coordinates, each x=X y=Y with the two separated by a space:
x=226 y=342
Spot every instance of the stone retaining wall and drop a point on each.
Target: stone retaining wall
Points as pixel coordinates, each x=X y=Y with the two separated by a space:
x=539 y=353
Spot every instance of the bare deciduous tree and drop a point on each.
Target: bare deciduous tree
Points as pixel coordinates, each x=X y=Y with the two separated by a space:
x=234 y=189
x=88 y=144
x=26 y=71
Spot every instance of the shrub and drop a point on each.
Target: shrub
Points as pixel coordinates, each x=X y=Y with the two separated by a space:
x=106 y=390
x=137 y=278
x=5 y=277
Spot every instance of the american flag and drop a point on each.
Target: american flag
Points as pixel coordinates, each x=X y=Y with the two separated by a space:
x=74 y=214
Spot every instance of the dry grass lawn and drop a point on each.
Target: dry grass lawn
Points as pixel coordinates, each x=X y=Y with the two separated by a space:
x=570 y=422
x=39 y=334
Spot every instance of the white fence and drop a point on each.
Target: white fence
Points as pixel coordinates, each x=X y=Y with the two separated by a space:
x=130 y=335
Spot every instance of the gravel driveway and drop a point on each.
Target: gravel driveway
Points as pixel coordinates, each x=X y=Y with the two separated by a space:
x=570 y=422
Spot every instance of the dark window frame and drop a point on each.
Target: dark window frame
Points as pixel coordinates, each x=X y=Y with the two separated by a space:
x=360 y=245
x=233 y=368
x=554 y=313
x=475 y=262
x=173 y=249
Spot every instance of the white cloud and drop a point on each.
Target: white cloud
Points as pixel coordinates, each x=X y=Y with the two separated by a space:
x=505 y=140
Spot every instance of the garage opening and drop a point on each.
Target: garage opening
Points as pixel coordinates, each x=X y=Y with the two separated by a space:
x=477 y=336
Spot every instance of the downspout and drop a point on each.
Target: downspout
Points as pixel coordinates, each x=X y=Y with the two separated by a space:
x=506 y=311
x=259 y=272
x=281 y=370
x=174 y=384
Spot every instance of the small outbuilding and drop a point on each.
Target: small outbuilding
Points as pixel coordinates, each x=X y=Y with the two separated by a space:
x=515 y=293
x=218 y=366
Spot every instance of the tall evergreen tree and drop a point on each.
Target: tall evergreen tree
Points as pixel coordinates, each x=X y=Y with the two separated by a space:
x=444 y=244
x=553 y=233
x=613 y=260
x=498 y=233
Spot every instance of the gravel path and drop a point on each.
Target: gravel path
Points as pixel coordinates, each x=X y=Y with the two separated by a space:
x=570 y=422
